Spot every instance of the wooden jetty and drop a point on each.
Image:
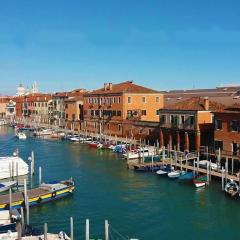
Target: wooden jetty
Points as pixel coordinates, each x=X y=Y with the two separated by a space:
x=179 y=165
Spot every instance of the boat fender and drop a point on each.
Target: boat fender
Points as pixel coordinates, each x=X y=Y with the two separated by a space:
x=7 y=206
x=54 y=194
x=39 y=200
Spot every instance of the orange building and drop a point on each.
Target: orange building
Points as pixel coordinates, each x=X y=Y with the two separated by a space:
x=115 y=107
x=74 y=112
x=187 y=125
x=3 y=105
x=227 y=130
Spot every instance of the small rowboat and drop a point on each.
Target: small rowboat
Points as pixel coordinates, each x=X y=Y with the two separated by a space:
x=232 y=188
x=93 y=144
x=200 y=181
x=5 y=186
x=175 y=174
x=187 y=176
x=165 y=170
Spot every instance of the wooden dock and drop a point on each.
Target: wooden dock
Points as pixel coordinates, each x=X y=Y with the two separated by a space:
x=186 y=167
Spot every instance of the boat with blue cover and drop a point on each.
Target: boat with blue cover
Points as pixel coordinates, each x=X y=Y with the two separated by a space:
x=9 y=220
x=187 y=176
x=147 y=168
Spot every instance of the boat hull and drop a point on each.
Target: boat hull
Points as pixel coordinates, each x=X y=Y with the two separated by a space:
x=38 y=200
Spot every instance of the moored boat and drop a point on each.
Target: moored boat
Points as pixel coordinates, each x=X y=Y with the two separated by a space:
x=47 y=192
x=3 y=122
x=187 y=176
x=5 y=186
x=200 y=181
x=43 y=132
x=21 y=135
x=232 y=188
x=164 y=170
x=93 y=144
x=13 y=163
x=175 y=174
x=8 y=221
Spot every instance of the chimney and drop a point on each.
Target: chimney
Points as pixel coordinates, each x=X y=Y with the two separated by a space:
x=110 y=85
x=206 y=103
x=105 y=86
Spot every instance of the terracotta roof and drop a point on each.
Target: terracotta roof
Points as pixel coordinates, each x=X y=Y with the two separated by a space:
x=196 y=104
x=74 y=99
x=124 y=87
x=234 y=108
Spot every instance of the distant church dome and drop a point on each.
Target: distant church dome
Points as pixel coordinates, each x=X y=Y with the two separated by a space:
x=20 y=90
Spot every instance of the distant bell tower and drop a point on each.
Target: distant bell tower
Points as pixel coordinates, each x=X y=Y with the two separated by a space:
x=34 y=88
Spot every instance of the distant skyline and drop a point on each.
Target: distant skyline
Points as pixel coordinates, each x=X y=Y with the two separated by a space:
x=161 y=44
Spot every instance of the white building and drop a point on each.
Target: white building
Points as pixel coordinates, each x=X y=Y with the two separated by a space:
x=22 y=91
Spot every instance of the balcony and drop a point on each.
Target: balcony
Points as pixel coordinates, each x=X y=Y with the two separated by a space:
x=185 y=126
x=134 y=118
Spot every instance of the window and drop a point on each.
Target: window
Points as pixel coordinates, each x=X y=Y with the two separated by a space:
x=149 y=131
x=218 y=144
x=66 y=106
x=129 y=113
x=119 y=113
x=157 y=99
x=119 y=127
x=191 y=120
x=163 y=119
x=235 y=148
x=158 y=112
x=73 y=116
x=234 y=126
x=129 y=100
x=119 y=100
x=66 y=116
x=108 y=126
x=114 y=113
x=218 y=124
x=95 y=125
x=144 y=99
x=182 y=119
x=172 y=119
x=144 y=112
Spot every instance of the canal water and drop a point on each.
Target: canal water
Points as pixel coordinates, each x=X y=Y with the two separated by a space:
x=138 y=205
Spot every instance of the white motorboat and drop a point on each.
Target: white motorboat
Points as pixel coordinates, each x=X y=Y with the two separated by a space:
x=43 y=132
x=5 y=186
x=3 y=122
x=7 y=163
x=175 y=174
x=205 y=164
x=139 y=153
x=199 y=184
x=21 y=135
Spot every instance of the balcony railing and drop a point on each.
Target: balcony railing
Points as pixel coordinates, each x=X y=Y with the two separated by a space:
x=134 y=118
x=185 y=126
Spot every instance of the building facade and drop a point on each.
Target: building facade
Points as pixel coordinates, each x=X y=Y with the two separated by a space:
x=188 y=125
x=227 y=130
x=115 y=108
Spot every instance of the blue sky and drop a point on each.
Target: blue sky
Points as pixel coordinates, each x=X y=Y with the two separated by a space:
x=163 y=44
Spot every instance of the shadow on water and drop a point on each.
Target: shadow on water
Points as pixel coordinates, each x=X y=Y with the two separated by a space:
x=142 y=205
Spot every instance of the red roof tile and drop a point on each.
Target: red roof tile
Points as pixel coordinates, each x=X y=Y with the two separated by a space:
x=197 y=104
x=124 y=87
